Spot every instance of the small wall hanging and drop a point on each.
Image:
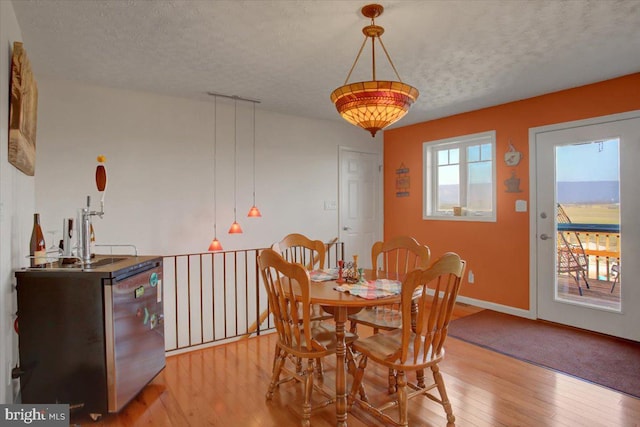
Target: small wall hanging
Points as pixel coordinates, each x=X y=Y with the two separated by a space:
x=512 y=157
x=513 y=183
x=403 y=181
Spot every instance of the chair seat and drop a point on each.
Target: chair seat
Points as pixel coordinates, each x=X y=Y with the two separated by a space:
x=383 y=348
x=385 y=318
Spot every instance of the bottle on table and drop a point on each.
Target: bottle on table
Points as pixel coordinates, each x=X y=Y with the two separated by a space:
x=37 y=247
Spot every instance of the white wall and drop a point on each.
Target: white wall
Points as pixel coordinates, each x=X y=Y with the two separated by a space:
x=159 y=154
x=17 y=203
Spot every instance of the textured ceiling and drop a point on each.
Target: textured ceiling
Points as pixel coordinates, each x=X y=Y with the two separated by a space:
x=461 y=55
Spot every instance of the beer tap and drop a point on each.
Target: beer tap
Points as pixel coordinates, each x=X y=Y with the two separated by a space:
x=85 y=221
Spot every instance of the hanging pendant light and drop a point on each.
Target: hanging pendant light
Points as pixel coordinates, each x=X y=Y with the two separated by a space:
x=235 y=227
x=215 y=244
x=373 y=105
x=254 y=212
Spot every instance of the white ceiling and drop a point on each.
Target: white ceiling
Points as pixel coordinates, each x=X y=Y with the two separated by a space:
x=291 y=54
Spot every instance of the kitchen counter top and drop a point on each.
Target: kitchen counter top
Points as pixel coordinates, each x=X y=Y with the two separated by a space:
x=100 y=265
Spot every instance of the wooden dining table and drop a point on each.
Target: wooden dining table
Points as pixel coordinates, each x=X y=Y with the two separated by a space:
x=341 y=304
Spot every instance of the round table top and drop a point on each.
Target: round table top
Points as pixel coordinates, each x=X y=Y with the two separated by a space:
x=324 y=293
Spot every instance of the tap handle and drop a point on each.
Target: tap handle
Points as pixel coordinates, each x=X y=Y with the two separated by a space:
x=101 y=174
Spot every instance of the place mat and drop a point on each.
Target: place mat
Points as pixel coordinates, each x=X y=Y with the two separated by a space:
x=372 y=289
x=323 y=275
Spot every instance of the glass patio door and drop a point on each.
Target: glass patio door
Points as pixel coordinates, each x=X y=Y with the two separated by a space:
x=587 y=196
x=586 y=202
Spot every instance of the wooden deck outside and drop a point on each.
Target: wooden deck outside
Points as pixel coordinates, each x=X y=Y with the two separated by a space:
x=226 y=385
x=599 y=292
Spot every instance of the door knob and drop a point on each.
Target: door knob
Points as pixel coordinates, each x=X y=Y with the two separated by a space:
x=544 y=237
x=345 y=228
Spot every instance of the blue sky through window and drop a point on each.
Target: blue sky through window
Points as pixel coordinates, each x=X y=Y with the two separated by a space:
x=592 y=161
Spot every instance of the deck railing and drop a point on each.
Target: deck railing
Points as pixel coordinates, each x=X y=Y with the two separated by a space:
x=601 y=243
x=213 y=297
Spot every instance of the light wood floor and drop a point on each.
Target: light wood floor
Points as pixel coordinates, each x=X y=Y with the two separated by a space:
x=226 y=385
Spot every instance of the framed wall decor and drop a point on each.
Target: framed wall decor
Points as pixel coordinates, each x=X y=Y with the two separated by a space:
x=23 y=113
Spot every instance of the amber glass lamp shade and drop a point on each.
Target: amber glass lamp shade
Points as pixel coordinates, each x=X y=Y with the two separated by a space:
x=374 y=105
x=235 y=228
x=254 y=212
x=215 y=245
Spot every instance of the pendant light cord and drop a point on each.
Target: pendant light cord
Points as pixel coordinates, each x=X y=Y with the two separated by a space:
x=215 y=168
x=254 y=154
x=235 y=157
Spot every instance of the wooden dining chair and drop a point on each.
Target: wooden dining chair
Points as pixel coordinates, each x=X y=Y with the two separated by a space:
x=299 y=248
x=298 y=337
x=414 y=347
x=392 y=259
x=311 y=254
x=296 y=247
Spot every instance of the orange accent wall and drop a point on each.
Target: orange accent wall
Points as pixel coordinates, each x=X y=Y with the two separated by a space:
x=497 y=252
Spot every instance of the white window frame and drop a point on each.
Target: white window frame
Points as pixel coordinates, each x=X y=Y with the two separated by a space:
x=430 y=167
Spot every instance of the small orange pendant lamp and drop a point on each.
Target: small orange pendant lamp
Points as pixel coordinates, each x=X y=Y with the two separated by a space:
x=215 y=245
x=235 y=228
x=254 y=212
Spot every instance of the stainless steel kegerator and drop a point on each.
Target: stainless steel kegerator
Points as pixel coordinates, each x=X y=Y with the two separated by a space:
x=90 y=337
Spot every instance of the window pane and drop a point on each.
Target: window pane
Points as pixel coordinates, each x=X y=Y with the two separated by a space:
x=443 y=157
x=485 y=151
x=480 y=187
x=448 y=187
x=454 y=156
x=473 y=153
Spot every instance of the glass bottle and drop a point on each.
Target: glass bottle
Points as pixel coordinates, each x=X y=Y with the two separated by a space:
x=37 y=248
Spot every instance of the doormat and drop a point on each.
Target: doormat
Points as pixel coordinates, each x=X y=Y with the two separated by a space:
x=600 y=359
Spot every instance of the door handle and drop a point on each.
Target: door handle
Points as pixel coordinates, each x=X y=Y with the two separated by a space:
x=345 y=228
x=544 y=237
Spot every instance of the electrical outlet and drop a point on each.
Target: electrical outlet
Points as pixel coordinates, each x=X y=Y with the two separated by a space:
x=471 y=277
x=330 y=205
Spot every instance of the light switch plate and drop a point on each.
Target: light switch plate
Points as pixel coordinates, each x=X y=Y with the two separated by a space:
x=330 y=205
x=521 y=205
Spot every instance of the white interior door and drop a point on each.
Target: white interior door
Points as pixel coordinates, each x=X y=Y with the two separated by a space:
x=360 y=204
x=550 y=145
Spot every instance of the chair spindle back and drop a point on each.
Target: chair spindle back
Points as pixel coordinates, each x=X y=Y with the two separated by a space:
x=299 y=248
x=424 y=341
x=280 y=279
x=399 y=256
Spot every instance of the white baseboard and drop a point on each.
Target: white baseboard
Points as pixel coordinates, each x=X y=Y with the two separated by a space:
x=497 y=307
